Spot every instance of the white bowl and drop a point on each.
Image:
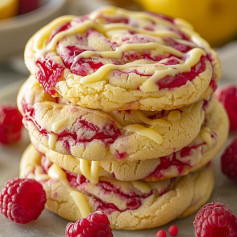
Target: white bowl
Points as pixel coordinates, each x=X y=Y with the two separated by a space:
x=15 y=32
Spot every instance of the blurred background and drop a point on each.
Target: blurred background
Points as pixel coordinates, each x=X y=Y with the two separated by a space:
x=215 y=20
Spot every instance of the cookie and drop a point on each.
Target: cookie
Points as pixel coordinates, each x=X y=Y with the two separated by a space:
x=113 y=59
x=206 y=145
x=144 y=204
x=97 y=135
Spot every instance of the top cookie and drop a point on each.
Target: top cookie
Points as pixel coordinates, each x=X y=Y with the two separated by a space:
x=113 y=59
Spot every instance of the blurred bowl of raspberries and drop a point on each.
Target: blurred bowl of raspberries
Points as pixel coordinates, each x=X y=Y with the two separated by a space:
x=20 y=19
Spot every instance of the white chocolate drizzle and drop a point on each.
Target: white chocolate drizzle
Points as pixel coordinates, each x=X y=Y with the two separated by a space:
x=174 y=115
x=141 y=186
x=52 y=139
x=55 y=172
x=146 y=120
x=59 y=124
x=147 y=132
x=194 y=56
x=90 y=169
x=191 y=58
x=206 y=136
x=39 y=41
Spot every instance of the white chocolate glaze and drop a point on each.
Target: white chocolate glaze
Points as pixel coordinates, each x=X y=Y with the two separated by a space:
x=147 y=132
x=55 y=172
x=174 y=115
x=206 y=136
x=164 y=29
x=90 y=169
x=142 y=186
x=52 y=140
x=58 y=125
x=146 y=120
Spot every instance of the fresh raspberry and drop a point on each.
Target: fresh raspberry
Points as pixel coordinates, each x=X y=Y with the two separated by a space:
x=161 y=233
x=22 y=200
x=215 y=220
x=229 y=161
x=10 y=125
x=227 y=95
x=95 y=225
x=173 y=230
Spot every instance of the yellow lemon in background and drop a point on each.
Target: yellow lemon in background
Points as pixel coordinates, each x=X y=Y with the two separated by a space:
x=8 y=8
x=215 y=20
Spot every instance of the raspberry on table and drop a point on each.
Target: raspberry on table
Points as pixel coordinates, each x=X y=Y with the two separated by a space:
x=22 y=200
x=10 y=124
x=227 y=95
x=173 y=230
x=229 y=161
x=161 y=233
x=95 y=225
x=215 y=220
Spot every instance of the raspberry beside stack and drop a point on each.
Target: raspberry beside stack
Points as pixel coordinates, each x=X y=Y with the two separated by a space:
x=122 y=119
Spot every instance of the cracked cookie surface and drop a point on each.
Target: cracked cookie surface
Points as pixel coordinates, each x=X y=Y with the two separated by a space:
x=144 y=204
x=97 y=135
x=113 y=59
x=205 y=146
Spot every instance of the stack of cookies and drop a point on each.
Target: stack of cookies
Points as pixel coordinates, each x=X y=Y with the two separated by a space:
x=122 y=118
